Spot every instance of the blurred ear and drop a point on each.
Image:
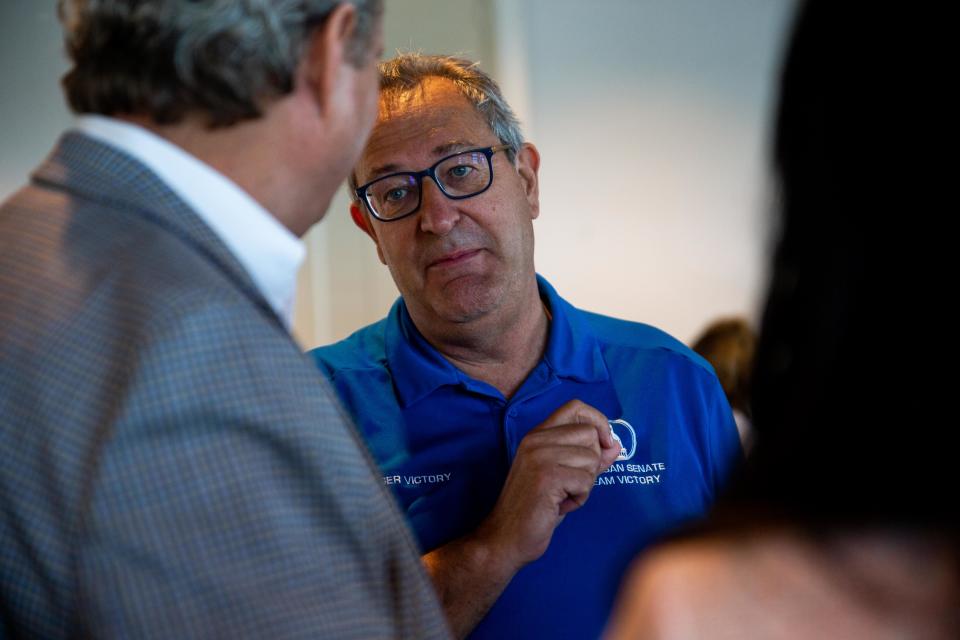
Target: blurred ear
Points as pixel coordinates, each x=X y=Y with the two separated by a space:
x=327 y=52
x=360 y=218
x=528 y=166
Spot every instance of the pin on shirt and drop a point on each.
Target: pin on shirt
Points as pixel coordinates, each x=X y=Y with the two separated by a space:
x=623 y=432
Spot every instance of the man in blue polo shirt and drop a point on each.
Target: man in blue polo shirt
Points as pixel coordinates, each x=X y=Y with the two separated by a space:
x=534 y=447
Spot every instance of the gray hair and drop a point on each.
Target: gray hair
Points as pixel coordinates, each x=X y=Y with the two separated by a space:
x=407 y=71
x=165 y=58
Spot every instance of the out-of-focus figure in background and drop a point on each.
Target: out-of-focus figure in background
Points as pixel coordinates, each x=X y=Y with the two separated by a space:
x=843 y=521
x=729 y=344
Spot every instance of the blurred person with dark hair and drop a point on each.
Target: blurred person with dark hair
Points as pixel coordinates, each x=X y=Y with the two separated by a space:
x=843 y=522
x=729 y=344
x=173 y=465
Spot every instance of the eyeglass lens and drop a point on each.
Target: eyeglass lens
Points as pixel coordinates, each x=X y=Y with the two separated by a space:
x=462 y=175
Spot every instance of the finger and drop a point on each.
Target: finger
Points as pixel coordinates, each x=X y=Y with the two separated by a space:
x=564 y=456
x=609 y=455
x=585 y=435
x=563 y=482
x=571 y=504
x=578 y=412
x=573 y=435
x=577 y=486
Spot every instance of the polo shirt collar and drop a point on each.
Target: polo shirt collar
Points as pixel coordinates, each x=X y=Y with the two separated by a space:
x=416 y=366
x=418 y=369
x=573 y=350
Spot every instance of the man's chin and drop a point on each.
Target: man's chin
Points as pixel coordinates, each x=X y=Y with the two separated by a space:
x=467 y=299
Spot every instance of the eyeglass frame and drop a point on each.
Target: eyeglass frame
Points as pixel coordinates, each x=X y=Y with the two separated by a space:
x=431 y=173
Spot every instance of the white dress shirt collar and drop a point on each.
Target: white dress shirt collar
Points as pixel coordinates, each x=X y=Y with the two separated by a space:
x=269 y=252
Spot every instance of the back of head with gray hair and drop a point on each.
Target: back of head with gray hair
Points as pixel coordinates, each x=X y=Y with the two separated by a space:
x=224 y=59
x=408 y=71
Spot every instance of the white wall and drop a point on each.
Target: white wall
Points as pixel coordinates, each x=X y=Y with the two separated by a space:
x=651 y=116
x=652 y=121
x=32 y=110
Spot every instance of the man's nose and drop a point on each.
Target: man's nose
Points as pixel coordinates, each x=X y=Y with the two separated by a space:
x=438 y=213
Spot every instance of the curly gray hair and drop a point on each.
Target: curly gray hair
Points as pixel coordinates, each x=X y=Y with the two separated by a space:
x=166 y=58
x=407 y=71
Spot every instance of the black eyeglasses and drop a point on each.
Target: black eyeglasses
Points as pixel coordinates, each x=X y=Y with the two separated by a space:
x=459 y=176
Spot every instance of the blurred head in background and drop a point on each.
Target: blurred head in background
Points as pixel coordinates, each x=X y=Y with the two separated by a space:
x=728 y=345
x=848 y=392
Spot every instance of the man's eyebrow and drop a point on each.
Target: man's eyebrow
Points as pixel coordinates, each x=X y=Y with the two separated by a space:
x=383 y=170
x=438 y=151
x=453 y=147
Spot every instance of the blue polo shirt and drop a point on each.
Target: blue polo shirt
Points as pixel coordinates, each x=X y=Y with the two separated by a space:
x=445 y=442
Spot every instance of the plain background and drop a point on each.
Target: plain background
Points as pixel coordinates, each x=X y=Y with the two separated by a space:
x=652 y=118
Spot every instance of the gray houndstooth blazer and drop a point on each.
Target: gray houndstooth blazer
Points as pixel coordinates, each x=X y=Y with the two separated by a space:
x=172 y=465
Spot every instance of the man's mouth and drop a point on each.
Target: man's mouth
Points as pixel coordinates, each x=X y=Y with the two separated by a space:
x=454 y=258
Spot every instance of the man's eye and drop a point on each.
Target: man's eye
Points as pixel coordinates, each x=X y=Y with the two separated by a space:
x=460 y=171
x=394 y=195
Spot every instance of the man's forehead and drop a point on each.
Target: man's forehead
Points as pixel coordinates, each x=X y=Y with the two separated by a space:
x=430 y=120
x=432 y=91
x=434 y=104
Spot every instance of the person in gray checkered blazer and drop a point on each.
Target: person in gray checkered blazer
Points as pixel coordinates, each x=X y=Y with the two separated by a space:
x=173 y=466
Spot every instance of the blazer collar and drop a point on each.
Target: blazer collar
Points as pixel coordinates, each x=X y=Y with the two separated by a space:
x=100 y=173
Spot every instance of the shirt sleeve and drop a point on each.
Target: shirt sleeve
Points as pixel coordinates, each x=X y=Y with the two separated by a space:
x=723 y=439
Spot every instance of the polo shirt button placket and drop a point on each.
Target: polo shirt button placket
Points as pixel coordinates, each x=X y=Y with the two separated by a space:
x=510 y=430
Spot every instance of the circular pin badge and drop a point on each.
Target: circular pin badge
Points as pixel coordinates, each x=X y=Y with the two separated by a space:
x=626 y=437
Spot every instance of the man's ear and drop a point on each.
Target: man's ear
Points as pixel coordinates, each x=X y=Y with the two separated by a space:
x=528 y=166
x=327 y=52
x=359 y=217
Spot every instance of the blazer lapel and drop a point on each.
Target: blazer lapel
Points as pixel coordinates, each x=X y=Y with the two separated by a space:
x=98 y=172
